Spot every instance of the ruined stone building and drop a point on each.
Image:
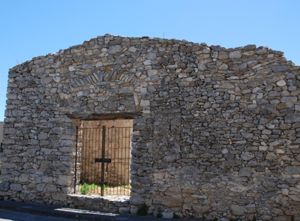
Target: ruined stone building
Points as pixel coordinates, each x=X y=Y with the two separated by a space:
x=176 y=128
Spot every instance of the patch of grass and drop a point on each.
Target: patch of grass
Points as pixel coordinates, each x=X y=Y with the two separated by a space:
x=92 y=188
x=128 y=186
x=87 y=188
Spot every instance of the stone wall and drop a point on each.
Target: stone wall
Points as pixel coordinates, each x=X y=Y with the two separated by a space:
x=1 y=132
x=216 y=131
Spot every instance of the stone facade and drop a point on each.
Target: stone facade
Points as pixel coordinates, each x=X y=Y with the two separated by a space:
x=216 y=131
x=1 y=132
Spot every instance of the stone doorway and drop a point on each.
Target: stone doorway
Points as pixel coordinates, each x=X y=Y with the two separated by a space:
x=102 y=157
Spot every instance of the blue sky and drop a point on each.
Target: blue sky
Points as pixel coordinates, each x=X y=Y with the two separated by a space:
x=32 y=28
